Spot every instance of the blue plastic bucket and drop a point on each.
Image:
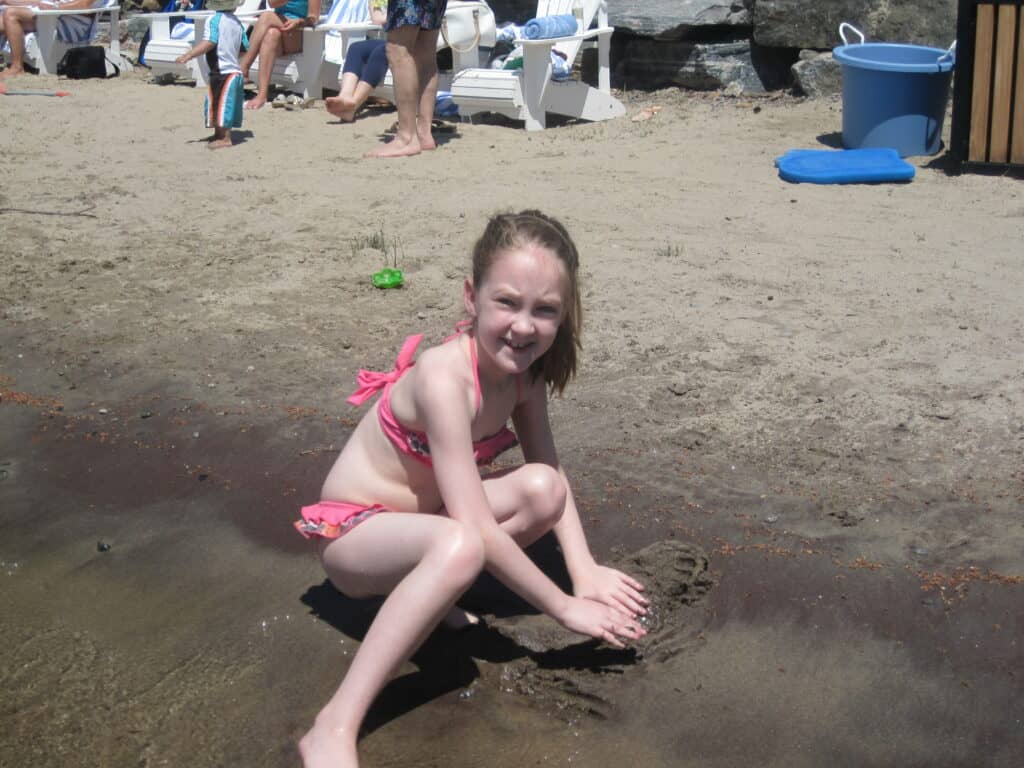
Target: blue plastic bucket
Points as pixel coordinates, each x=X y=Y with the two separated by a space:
x=894 y=95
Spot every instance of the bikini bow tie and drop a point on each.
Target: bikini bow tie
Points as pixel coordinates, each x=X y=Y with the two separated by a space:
x=372 y=382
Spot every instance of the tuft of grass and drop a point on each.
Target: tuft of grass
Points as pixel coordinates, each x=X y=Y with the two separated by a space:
x=670 y=251
x=378 y=240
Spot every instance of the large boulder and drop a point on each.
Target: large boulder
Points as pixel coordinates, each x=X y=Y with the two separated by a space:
x=704 y=66
x=817 y=75
x=815 y=23
x=672 y=19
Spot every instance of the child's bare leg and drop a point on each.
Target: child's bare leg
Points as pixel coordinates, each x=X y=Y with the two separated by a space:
x=527 y=502
x=221 y=138
x=425 y=562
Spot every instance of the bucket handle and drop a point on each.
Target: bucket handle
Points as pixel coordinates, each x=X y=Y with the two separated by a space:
x=950 y=53
x=842 y=33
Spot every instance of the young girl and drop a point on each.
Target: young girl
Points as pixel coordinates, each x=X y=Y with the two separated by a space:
x=405 y=512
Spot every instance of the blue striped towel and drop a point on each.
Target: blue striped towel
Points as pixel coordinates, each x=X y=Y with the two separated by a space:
x=80 y=29
x=344 y=12
x=545 y=27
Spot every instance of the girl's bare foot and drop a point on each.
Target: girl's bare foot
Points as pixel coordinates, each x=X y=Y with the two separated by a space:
x=323 y=747
x=457 y=618
x=220 y=143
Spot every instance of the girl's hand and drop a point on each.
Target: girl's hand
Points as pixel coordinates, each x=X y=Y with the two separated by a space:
x=588 y=617
x=291 y=24
x=612 y=588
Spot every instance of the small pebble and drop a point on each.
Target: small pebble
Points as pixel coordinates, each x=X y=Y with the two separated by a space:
x=195 y=435
x=103 y=411
x=772 y=519
x=102 y=546
x=146 y=415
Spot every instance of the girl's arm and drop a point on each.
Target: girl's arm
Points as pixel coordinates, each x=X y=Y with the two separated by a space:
x=447 y=412
x=589 y=579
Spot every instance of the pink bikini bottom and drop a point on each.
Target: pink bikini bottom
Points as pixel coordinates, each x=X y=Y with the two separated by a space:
x=331 y=519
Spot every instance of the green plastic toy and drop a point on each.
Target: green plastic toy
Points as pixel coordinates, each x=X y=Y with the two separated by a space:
x=388 y=278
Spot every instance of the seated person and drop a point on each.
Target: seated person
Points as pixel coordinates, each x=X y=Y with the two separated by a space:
x=277 y=34
x=366 y=63
x=17 y=17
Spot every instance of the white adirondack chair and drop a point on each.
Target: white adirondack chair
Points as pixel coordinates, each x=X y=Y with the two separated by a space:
x=347 y=23
x=167 y=43
x=323 y=50
x=529 y=94
x=57 y=31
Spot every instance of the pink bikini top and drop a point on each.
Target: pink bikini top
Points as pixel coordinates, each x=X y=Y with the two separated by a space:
x=412 y=442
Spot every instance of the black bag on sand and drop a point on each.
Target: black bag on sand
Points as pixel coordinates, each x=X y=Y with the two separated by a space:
x=87 y=61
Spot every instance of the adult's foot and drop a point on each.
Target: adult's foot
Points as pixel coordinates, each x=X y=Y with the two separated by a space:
x=322 y=747
x=11 y=72
x=342 y=107
x=427 y=142
x=256 y=102
x=396 y=148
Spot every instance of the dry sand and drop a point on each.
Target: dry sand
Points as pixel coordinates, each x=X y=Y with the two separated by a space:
x=818 y=387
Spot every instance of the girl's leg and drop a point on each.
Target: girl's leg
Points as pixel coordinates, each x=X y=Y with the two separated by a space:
x=425 y=562
x=527 y=501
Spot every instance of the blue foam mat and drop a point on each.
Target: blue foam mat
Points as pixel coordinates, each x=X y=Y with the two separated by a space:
x=844 y=166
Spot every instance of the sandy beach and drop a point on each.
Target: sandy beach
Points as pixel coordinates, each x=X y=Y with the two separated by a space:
x=817 y=391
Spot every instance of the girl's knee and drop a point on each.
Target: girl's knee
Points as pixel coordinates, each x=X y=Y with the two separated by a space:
x=545 y=492
x=462 y=552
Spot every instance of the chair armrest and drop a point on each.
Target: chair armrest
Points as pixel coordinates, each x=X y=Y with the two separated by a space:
x=363 y=27
x=595 y=32
x=175 y=14
x=81 y=12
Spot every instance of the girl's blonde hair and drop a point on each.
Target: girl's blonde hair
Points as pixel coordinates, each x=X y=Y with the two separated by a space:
x=509 y=231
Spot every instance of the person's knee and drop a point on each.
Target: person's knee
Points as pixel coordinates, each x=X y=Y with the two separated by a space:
x=273 y=37
x=545 y=493
x=397 y=53
x=462 y=552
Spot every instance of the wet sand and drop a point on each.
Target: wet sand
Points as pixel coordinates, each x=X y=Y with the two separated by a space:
x=817 y=389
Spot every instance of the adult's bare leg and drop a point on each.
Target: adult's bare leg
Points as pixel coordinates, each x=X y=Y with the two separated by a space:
x=425 y=54
x=405 y=73
x=269 y=51
x=16 y=22
x=265 y=22
x=423 y=563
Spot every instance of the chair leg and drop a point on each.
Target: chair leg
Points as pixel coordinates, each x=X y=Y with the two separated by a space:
x=50 y=49
x=536 y=76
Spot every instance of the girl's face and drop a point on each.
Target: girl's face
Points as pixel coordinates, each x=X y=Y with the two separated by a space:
x=518 y=308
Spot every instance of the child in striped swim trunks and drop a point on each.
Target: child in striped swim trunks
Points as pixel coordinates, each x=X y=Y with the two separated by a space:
x=223 y=39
